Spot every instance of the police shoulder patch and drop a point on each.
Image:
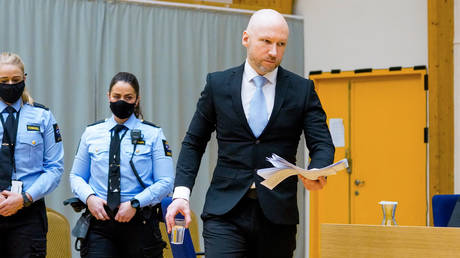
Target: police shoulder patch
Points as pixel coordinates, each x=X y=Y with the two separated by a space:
x=150 y=123
x=40 y=106
x=167 y=149
x=97 y=122
x=57 y=133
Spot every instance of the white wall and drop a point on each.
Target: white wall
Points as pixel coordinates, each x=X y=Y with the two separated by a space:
x=354 y=34
x=457 y=96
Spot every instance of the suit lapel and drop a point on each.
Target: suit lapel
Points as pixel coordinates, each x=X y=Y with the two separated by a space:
x=235 y=87
x=280 y=93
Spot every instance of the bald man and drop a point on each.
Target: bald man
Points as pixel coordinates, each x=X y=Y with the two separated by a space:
x=256 y=109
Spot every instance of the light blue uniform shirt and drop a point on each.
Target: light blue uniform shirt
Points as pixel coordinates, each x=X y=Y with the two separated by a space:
x=152 y=159
x=39 y=153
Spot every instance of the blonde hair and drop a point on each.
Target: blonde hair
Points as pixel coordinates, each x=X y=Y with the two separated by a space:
x=14 y=59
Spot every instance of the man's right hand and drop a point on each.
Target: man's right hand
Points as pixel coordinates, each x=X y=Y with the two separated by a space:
x=96 y=207
x=176 y=206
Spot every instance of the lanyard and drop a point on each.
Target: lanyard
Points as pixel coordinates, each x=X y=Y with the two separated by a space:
x=131 y=163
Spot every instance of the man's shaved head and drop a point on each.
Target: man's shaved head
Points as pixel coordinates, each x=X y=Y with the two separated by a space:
x=265 y=39
x=266 y=18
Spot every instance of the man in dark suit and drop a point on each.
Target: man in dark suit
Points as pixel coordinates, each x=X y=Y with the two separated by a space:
x=256 y=109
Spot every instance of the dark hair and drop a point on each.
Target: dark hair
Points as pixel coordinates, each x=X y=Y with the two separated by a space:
x=132 y=80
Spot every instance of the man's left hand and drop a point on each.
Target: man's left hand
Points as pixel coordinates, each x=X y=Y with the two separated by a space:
x=125 y=212
x=313 y=185
x=12 y=204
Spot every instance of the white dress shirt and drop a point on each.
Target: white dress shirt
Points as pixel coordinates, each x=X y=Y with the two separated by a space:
x=248 y=89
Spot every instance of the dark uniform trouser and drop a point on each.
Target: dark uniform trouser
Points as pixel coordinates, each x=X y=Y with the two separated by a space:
x=137 y=238
x=24 y=233
x=246 y=232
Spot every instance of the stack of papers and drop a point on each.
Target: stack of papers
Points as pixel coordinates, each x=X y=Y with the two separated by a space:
x=283 y=169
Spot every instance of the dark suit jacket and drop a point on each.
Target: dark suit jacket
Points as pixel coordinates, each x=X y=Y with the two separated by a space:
x=297 y=108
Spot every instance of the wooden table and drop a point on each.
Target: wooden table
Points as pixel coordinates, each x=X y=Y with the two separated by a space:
x=351 y=240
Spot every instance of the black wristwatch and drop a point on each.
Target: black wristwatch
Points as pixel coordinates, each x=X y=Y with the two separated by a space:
x=27 y=202
x=135 y=203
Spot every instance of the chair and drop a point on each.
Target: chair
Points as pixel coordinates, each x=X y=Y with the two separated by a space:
x=167 y=253
x=187 y=249
x=443 y=205
x=58 y=237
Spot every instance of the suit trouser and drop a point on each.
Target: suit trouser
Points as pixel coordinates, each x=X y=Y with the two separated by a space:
x=246 y=232
x=140 y=237
x=24 y=233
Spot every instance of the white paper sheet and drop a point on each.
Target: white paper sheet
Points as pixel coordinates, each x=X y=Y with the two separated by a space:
x=283 y=169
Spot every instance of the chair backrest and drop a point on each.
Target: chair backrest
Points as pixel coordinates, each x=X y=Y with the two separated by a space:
x=443 y=205
x=187 y=249
x=167 y=253
x=58 y=237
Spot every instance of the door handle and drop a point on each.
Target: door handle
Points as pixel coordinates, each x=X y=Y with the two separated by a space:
x=359 y=182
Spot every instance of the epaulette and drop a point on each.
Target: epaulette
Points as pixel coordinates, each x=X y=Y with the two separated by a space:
x=40 y=106
x=150 y=123
x=97 y=122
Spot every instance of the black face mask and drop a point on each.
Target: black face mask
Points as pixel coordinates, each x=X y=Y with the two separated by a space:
x=122 y=109
x=11 y=92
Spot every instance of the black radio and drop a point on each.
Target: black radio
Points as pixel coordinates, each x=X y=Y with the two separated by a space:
x=136 y=136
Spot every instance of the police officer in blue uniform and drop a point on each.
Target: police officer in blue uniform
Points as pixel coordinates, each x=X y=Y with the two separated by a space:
x=31 y=163
x=122 y=169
